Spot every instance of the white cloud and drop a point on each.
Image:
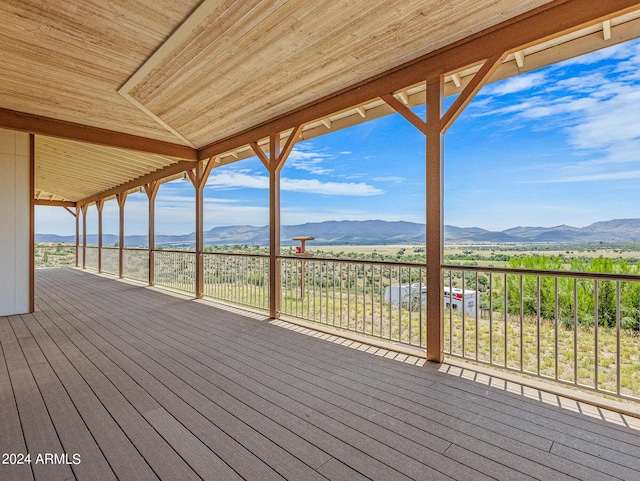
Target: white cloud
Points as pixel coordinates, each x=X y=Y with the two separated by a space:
x=314 y=186
x=595 y=177
x=241 y=179
x=389 y=178
x=619 y=51
x=304 y=158
x=515 y=84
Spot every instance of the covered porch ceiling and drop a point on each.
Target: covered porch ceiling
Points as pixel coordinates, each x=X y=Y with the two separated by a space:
x=117 y=91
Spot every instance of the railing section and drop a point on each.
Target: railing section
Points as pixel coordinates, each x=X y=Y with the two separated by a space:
x=175 y=270
x=110 y=260
x=54 y=255
x=135 y=264
x=92 y=257
x=576 y=328
x=381 y=299
x=237 y=278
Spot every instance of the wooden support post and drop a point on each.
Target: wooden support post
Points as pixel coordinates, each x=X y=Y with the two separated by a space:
x=100 y=206
x=199 y=178
x=122 y=198
x=274 y=164
x=77 y=236
x=152 y=190
x=32 y=220
x=274 y=227
x=84 y=235
x=435 y=230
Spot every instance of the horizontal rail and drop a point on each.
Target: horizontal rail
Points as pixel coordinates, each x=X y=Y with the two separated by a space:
x=541 y=272
x=357 y=261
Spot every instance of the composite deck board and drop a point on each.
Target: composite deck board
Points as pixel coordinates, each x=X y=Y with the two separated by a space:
x=376 y=468
x=406 y=447
x=205 y=406
x=75 y=436
x=11 y=435
x=471 y=442
x=547 y=446
x=122 y=456
x=39 y=433
x=157 y=386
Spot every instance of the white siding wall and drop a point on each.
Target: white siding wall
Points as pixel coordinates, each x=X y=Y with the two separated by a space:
x=14 y=222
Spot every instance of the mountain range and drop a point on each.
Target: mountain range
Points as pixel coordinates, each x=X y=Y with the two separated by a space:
x=378 y=232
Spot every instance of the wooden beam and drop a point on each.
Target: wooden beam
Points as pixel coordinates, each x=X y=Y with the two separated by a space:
x=473 y=87
x=288 y=146
x=435 y=228
x=69 y=210
x=84 y=235
x=260 y=154
x=152 y=191
x=122 y=199
x=543 y=23
x=199 y=181
x=274 y=226
x=455 y=78
x=35 y=124
x=406 y=112
x=77 y=237
x=159 y=174
x=606 y=30
x=32 y=221
x=100 y=206
x=55 y=203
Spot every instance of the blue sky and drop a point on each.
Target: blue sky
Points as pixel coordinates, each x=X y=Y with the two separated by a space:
x=560 y=145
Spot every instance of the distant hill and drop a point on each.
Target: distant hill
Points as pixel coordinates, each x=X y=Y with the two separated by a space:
x=378 y=232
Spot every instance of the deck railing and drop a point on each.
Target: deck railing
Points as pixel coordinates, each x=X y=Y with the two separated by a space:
x=175 y=270
x=573 y=327
x=135 y=264
x=92 y=257
x=238 y=278
x=577 y=328
x=381 y=299
x=110 y=260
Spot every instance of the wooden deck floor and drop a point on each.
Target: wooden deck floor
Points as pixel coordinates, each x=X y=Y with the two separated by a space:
x=134 y=384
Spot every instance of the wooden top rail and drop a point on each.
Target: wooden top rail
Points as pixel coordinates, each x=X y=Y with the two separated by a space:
x=546 y=273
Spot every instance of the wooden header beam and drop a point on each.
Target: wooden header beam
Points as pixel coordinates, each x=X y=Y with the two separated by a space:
x=543 y=23
x=54 y=203
x=35 y=124
x=159 y=174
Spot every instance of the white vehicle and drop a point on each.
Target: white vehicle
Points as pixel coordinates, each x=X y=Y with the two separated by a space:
x=455 y=298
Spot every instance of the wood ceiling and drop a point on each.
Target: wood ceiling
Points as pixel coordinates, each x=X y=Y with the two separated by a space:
x=194 y=73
